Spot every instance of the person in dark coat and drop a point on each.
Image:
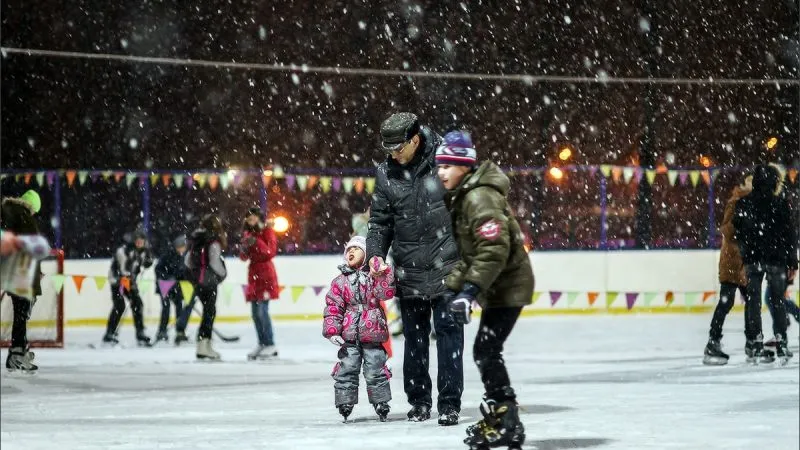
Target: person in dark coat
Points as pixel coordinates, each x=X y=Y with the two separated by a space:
x=494 y=271
x=767 y=242
x=409 y=216
x=17 y=217
x=130 y=259
x=169 y=271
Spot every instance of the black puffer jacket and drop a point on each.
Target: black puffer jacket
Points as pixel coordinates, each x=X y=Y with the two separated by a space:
x=763 y=223
x=408 y=213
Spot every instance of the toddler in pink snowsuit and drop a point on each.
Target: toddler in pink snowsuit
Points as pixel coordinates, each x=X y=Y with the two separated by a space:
x=356 y=323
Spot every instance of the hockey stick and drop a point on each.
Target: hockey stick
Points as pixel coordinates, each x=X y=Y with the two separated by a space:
x=223 y=337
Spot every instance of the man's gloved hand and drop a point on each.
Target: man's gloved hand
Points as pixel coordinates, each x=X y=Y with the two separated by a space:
x=337 y=340
x=461 y=306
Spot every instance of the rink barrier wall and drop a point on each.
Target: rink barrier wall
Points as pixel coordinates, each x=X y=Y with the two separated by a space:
x=567 y=282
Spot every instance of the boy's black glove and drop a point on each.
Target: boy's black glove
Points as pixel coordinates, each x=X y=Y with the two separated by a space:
x=461 y=305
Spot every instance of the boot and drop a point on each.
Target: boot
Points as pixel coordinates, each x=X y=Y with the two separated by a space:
x=782 y=350
x=142 y=340
x=204 y=350
x=713 y=354
x=500 y=427
x=754 y=349
x=382 y=409
x=110 y=339
x=419 y=413
x=180 y=338
x=345 y=410
x=162 y=336
x=448 y=417
x=18 y=359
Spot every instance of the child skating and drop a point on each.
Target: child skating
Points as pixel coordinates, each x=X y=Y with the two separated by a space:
x=355 y=322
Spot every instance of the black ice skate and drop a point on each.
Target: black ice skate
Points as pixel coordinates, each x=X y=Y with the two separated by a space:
x=713 y=354
x=782 y=350
x=20 y=360
x=756 y=354
x=448 y=418
x=143 y=341
x=162 y=336
x=345 y=411
x=110 y=339
x=180 y=338
x=500 y=427
x=382 y=410
x=419 y=413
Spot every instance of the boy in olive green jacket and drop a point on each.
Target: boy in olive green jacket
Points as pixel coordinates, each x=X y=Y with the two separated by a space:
x=494 y=271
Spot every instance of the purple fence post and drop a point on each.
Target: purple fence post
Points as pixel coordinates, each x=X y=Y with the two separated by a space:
x=146 y=206
x=712 y=228
x=57 y=208
x=603 y=237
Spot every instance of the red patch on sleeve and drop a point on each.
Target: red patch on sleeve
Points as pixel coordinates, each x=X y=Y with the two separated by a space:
x=490 y=229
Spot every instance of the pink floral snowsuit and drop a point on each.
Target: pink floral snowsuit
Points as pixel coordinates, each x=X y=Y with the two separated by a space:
x=353 y=311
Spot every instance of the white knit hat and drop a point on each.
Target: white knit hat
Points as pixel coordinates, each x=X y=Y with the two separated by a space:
x=356 y=241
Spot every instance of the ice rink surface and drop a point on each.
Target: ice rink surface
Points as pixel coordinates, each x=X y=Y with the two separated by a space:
x=604 y=382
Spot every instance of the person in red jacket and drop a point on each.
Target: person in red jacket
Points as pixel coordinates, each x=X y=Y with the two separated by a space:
x=260 y=245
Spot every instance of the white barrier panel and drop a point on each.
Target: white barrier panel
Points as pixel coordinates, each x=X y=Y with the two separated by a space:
x=568 y=281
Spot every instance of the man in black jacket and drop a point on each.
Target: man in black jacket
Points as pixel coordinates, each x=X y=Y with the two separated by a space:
x=169 y=271
x=408 y=214
x=767 y=242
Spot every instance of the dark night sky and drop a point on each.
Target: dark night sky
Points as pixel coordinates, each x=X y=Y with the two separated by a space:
x=80 y=113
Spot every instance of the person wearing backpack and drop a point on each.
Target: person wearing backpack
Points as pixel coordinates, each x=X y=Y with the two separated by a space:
x=206 y=270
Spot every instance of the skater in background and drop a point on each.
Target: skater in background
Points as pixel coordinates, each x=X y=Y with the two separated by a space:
x=408 y=215
x=731 y=277
x=129 y=260
x=259 y=246
x=767 y=242
x=170 y=267
x=17 y=217
x=206 y=270
x=355 y=322
x=494 y=271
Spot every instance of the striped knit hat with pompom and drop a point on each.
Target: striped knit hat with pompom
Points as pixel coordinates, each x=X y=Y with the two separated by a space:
x=456 y=150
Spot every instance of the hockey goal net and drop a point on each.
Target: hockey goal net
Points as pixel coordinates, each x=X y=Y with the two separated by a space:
x=46 y=324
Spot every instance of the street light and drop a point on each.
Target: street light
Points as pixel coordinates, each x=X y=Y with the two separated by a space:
x=565 y=153
x=280 y=224
x=772 y=142
x=556 y=173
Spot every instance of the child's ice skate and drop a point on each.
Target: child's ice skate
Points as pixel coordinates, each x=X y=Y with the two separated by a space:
x=382 y=409
x=345 y=411
x=713 y=354
x=500 y=427
x=20 y=360
x=756 y=354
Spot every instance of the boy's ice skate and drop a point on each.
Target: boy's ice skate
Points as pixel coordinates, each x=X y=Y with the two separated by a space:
x=382 y=409
x=143 y=340
x=180 y=338
x=500 y=427
x=20 y=360
x=756 y=354
x=782 y=351
x=263 y=352
x=205 y=352
x=345 y=411
x=713 y=354
x=110 y=340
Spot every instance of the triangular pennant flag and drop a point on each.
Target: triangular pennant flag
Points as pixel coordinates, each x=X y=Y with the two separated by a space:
x=71 y=177
x=650 y=174
x=187 y=289
x=189 y=181
x=302 y=182
x=359 y=185
x=28 y=178
x=40 y=178
x=605 y=169
x=125 y=282
x=213 y=181
x=78 y=280
x=227 y=293
x=312 y=181
x=610 y=297
x=165 y=179
x=297 y=291
x=708 y=294
x=280 y=289
x=370 y=184
x=616 y=173
x=317 y=289
x=649 y=297
x=265 y=179
x=290 y=182
x=325 y=184
x=691 y=298
x=627 y=174
x=669 y=298
x=683 y=176
x=592 y=171
x=94 y=175
x=347 y=184
x=153 y=179
x=337 y=184
x=145 y=285
x=535 y=297
x=694 y=175
x=672 y=176
x=224 y=181
x=554 y=297
x=792 y=175
x=277 y=172
x=630 y=299
x=706 y=175
x=118 y=176
x=143 y=179
x=58 y=282
x=106 y=174
x=129 y=177
x=164 y=286
x=593 y=297
x=100 y=282
x=82 y=174
x=244 y=290
x=571 y=297
x=51 y=178
x=18 y=177
x=201 y=179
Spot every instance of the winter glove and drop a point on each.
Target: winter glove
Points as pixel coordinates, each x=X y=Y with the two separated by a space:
x=461 y=306
x=249 y=240
x=337 y=341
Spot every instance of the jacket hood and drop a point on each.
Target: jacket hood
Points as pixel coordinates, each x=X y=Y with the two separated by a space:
x=487 y=174
x=201 y=236
x=765 y=181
